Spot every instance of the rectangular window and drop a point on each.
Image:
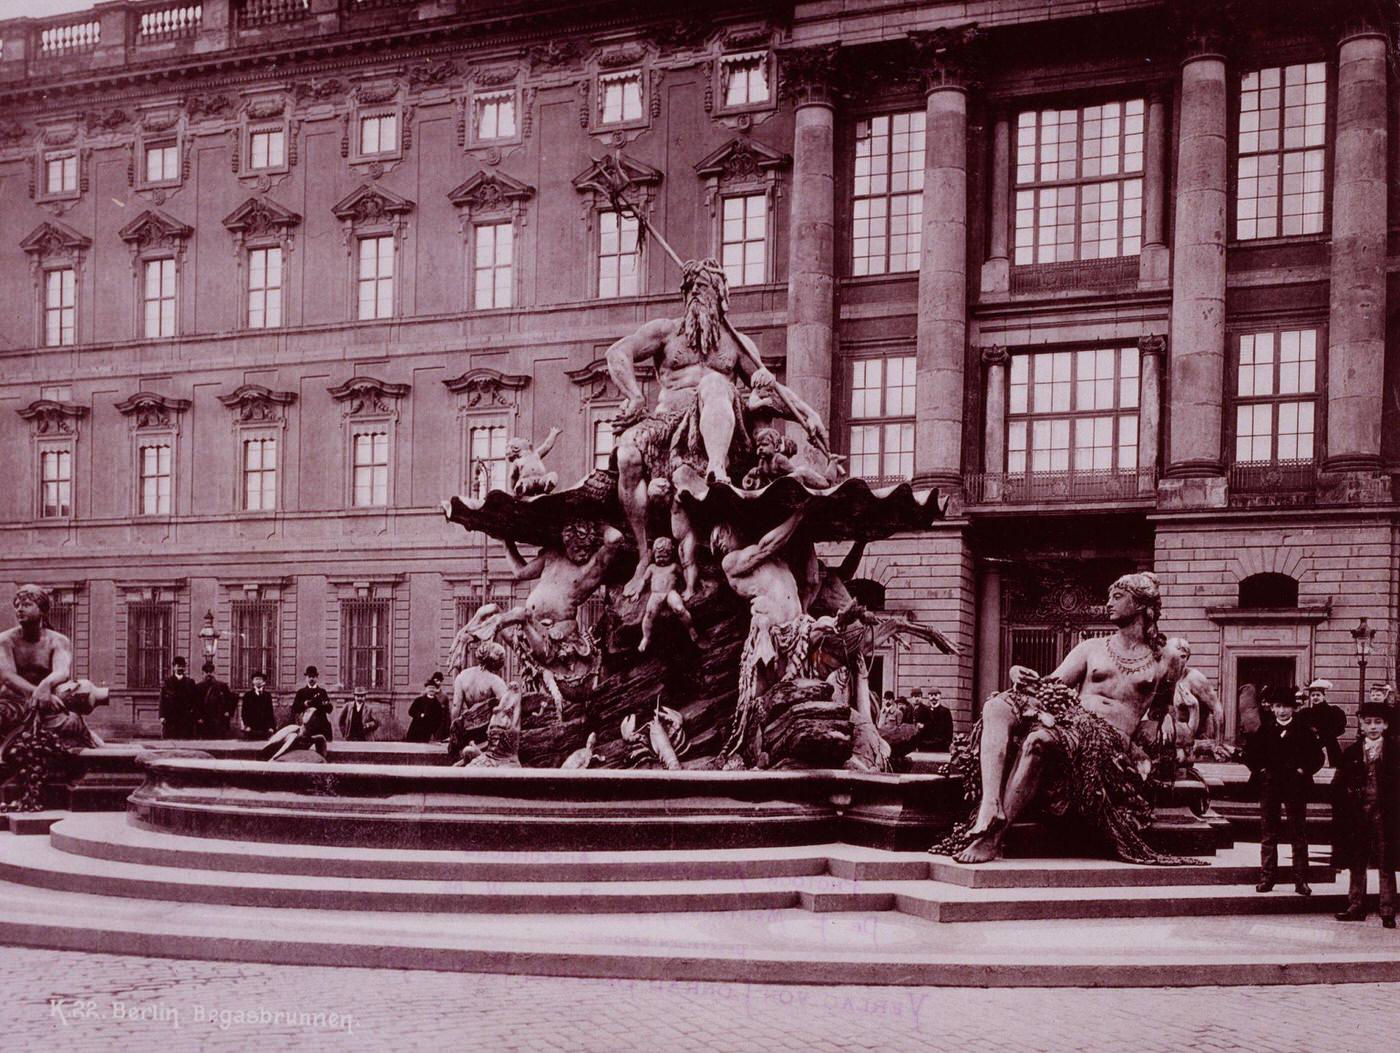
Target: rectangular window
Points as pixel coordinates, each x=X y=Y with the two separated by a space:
x=604 y=439
x=158 y=298
x=370 y=469
x=1079 y=183
x=1276 y=396
x=379 y=134
x=1282 y=151
x=376 y=277
x=620 y=97
x=502 y=594
x=744 y=79
x=364 y=643
x=887 y=203
x=62 y=618
x=744 y=239
x=618 y=252
x=882 y=418
x=259 y=474
x=493 y=116
x=155 y=479
x=264 y=288
x=254 y=650
x=55 y=484
x=486 y=458
x=162 y=163
x=60 y=301
x=149 y=643
x=61 y=174
x=267 y=148
x=493 y=265
x=1073 y=411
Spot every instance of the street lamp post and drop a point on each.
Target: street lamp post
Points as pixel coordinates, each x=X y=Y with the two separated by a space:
x=1363 y=635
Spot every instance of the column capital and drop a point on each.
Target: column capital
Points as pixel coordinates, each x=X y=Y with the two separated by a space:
x=996 y=355
x=1153 y=344
x=948 y=57
x=1360 y=18
x=808 y=75
x=1202 y=27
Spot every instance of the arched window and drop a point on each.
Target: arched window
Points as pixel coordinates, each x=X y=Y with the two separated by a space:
x=1268 y=590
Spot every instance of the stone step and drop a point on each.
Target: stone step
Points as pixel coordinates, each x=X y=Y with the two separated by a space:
x=1238 y=865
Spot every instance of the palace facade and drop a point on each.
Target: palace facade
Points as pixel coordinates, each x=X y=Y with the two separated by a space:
x=281 y=275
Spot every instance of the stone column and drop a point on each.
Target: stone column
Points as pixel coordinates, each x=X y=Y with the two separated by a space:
x=1198 y=265
x=1356 y=321
x=994 y=426
x=942 y=323
x=806 y=81
x=1151 y=350
x=996 y=272
x=1154 y=260
x=988 y=673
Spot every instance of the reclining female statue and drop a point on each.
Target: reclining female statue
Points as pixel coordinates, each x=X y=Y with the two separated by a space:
x=1068 y=737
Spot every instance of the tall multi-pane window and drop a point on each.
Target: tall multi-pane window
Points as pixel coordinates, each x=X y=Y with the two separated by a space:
x=486 y=457
x=370 y=468
x=887 y=194
x=158 y=298
x=621 y=97
x=604 y=439
x=1079 y=183
x=493 y=116
x=1282 y=151
x=254 y=650
x=364 y=643
x=162 y=163
x=744 y=79
x=260 y=474
x=1073 y=411
x=1276 y=396
x=379 y=134
x=744 y=239
x=493 y=264
x=618 y=252
x=55 y=483
x=149 y=642
x=155 y=474
x=267 y=148
x=375 y=277
x=264 y=288
x=61 y=174
x=881 y=426
x=60 y=300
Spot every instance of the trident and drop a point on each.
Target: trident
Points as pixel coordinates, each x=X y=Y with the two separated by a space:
x=612 y=180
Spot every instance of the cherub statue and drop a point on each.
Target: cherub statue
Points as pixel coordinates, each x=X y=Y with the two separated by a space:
x=527 y=471
x=665 y=578
x=774 y=452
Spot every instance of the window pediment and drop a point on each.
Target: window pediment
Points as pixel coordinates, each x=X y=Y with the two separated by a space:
x=257 y=404
x=486 y=387
x=741 y=161
x=369 y=205
x=615 y=170
x=53 y=418
x=368 y=396
x=153 y=230
x=53 y=238
x=261 y=217
x=150 y=410
x=598 y=383
x=490 y=192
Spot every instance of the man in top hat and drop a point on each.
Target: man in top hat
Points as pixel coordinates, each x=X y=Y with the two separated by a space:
x=259 y=720
x=1327 y=720
x=357 y=722
x=180 y=699
x=427 y=714
x=1366 y=812
x=1283 y=755
x=313 y=695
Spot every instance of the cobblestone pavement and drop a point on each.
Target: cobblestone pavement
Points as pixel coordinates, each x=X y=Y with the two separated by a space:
x=61 y=1000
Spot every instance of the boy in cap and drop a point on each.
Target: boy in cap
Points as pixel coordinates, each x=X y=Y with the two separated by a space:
x=357 y=721
x=1366 y=812
x=1283 y=755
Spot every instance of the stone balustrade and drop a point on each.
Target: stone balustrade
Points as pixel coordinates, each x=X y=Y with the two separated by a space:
x=169 y=22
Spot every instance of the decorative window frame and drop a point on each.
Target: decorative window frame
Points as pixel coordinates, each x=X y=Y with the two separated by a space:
x=269 y=591
x=600 y=399
x=53 y=246
x=592 y=185
x=491 y=197
x=382 y=587
x=60 y=138
x=368 y=212
x=377 y=100
x=265 y=114
x=733 y=58
x=54 y=426
x=153 y=418
x=483 y=396
x=488 y=82
x=367 y=404
x=153 y=236
x=258 y=412
x=159 y=128
x=632 y=66
x=260 y=223
x=169 y=591
x=741 y=168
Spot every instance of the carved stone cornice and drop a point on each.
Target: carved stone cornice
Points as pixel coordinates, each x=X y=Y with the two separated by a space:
x=741 y=159
x=155 y=230
x=682 y=33
x=53 y=418
x=370 y=204
x=149 y=410
x=490 y=192
x=432 y=74
x=558 y=52
x=199 y=107
x=949 y=57
x=486 y=386
x=1152 y=344
x=260 y=217
x=367 y=395
x=53 y=238
x=256 y=404
x=807 y=76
